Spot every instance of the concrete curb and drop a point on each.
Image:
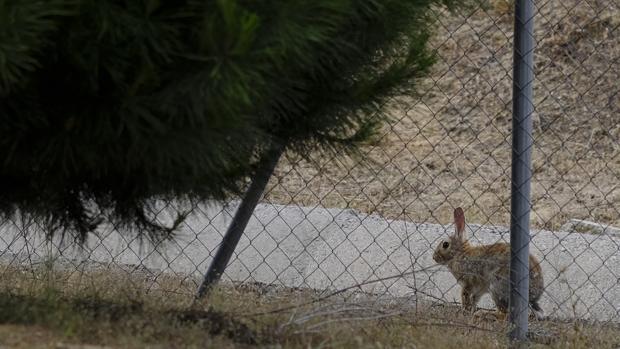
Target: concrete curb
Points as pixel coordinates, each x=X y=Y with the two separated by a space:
x=324 y=248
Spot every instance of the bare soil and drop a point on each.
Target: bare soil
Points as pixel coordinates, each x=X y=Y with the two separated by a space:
x=451 y=145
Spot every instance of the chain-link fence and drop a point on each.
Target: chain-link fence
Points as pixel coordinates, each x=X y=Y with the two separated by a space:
x=335 y=223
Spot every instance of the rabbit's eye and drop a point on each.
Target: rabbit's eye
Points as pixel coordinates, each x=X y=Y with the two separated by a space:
x=445 y=244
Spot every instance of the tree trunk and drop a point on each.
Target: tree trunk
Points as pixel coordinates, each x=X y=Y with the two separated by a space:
x=240 y=220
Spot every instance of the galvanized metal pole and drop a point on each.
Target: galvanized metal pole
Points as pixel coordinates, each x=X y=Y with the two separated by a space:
x=240 y=220
x=522 y=142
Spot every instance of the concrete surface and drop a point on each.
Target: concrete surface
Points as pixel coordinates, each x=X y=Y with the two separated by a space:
x=332 y=248
x=587 y=227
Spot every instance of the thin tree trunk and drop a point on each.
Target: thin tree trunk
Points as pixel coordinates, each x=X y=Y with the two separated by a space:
x=240 y=220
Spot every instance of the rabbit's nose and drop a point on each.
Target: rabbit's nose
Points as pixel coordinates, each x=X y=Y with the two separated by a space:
x=438 y=258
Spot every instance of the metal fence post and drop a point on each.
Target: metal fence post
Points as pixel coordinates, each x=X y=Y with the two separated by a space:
x=240 y=220
x=522 y=142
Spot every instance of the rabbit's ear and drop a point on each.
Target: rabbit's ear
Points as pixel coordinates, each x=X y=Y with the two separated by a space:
x=459 y=224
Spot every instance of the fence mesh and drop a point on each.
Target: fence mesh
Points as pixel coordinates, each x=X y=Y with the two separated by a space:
x=333 y=223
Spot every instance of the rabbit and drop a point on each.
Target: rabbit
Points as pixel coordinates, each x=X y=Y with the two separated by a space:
x=485 y=268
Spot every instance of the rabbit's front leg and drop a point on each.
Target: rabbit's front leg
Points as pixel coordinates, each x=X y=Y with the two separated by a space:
x=467 y=298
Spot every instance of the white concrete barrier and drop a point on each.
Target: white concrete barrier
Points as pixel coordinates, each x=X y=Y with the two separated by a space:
x=332 y=248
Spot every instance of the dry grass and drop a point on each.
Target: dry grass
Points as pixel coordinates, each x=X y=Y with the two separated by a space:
x=450 y=146
x=44 y=308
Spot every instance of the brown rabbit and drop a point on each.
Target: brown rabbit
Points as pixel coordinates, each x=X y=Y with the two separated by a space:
x=486 y=268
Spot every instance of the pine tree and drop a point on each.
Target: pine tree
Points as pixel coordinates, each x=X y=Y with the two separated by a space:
x=107 y=106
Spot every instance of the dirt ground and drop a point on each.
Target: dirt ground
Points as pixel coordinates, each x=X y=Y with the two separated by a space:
x=451 y=145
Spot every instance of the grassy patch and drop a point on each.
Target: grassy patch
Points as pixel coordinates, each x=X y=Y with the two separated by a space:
x=109 y=308
x=100 y=319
